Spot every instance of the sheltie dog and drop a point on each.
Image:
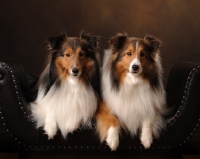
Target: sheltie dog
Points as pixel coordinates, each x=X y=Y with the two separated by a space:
x=132 y=90
x=69 y=86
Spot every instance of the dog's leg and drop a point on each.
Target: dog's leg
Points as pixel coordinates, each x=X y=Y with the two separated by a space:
x=108 y=126
x=146 y=134
x=113 y=137
x=50 y=127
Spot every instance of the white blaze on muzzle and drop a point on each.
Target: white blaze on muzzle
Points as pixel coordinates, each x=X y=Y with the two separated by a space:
x=135 y=66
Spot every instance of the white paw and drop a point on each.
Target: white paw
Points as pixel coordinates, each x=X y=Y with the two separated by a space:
x=50 y=129
x=113 y=138
x=146 y=140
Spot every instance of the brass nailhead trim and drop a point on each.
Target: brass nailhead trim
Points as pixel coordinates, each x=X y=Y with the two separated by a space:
x=183 y=98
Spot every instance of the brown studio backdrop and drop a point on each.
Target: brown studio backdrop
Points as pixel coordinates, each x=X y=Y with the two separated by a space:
x=26 y=24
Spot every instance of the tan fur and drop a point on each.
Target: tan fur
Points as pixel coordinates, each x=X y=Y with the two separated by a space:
x=89 y=69
x=105 y=120
x=65 y=64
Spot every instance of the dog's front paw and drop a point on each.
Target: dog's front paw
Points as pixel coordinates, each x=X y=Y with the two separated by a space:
x=113 y=138
x=146 y=140
x=50 y=129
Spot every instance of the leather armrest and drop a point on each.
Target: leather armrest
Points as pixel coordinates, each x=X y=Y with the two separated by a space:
x=13 y=97
x=183 y=96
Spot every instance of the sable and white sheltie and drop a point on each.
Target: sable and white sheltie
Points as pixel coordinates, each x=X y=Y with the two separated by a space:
x=69 y=87
x=132 y=90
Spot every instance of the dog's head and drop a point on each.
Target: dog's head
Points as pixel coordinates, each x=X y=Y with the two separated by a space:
x=72 y=56
x=133 y=55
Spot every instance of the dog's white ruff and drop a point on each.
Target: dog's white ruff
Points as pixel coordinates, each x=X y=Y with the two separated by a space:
x=65 y=107
x=135 y=103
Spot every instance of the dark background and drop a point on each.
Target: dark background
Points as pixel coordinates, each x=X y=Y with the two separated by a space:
x=26 y=24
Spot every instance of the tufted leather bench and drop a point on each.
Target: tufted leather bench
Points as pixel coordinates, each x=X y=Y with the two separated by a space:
x=18 y=133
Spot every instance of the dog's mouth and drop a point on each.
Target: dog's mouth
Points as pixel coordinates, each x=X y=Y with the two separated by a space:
x=135 y=69
x=75 y=74
x=135 y=72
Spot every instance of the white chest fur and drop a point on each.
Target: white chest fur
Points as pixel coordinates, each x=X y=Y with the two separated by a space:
x=68 y=106
x=134 y=102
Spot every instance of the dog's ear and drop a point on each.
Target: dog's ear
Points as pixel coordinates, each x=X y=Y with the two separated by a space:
x=55 y=42
x=92 y=40
x=95 y=41
x=117 y=42
x=154 y=42
x=154 y=45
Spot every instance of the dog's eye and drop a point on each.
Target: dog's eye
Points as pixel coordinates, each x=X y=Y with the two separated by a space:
x=129 y=53
x=142 y=54
x=81 y=54
x=67 y=55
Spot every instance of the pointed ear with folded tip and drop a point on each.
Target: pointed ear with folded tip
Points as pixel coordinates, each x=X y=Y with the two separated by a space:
x=154 y=45
x=117 y=42
x=154 y=42
x=93 y=40
x=55 y=42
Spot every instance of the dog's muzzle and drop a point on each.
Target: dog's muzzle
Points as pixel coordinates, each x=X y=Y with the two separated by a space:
x=135 y=68
x=75 y=71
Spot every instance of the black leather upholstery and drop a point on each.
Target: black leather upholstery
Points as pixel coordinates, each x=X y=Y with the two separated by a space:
x=16 y=90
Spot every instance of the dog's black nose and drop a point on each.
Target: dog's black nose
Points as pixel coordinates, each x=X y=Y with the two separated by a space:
x=135 y=67
x=75 y=70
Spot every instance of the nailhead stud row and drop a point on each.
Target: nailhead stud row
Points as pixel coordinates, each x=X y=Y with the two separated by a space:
x=182 y=103
x=18 y=98
x=184 y=96
x=197 y=125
